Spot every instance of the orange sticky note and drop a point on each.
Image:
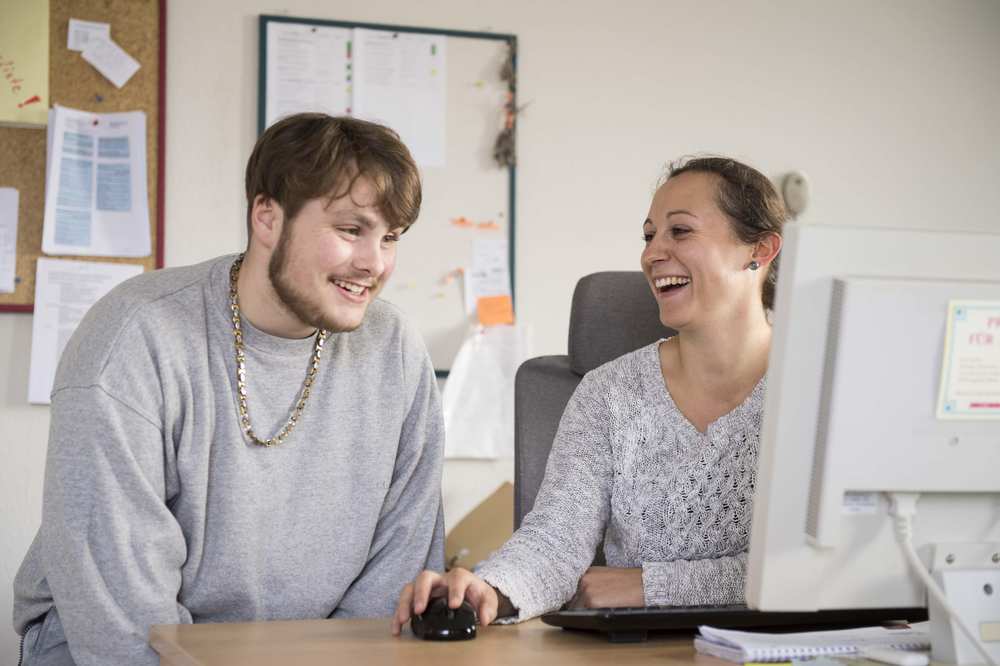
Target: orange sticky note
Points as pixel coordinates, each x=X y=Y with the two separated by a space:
x=493 y=310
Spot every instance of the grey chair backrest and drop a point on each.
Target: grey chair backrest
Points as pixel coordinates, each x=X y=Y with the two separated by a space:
x=613 y=313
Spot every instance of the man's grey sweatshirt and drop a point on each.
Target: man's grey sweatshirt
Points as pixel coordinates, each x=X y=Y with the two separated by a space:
x=158 y=510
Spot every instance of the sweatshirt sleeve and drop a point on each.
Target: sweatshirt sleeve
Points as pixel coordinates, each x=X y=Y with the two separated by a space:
x=714 y=581
x=112 y=550
x=539 y=568
x=409 y=536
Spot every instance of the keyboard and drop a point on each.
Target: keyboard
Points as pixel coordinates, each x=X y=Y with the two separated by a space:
x=628 y=625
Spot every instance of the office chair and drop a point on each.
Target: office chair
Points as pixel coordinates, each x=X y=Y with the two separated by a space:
x=613 y=313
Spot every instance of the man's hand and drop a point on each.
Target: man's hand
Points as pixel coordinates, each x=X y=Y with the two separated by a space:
x=457 y=584
x=609 y=587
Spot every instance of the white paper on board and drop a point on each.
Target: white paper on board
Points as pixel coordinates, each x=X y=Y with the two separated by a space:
x=64 y=291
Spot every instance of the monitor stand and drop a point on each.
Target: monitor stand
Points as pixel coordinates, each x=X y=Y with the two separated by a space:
x=969 y=576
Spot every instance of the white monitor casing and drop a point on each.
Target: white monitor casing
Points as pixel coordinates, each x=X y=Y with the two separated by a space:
x=859 y=327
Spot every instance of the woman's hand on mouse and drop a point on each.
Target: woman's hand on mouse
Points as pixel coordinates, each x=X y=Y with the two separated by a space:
x=457 y=584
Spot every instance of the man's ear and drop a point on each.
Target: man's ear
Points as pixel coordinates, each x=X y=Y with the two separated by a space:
x=266 y=220
x=766 y=249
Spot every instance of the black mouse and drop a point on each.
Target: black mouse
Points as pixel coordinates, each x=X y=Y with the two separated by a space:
x=440 y=623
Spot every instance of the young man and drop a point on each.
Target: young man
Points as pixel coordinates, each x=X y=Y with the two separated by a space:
x=251 y=438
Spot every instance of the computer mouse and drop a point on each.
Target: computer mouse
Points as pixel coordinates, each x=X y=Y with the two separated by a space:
x=440 y=623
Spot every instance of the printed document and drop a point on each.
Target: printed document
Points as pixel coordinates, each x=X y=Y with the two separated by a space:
x=489 y=274
x=398 y=79
x=8 y=238
x=81 y=33
x=970 y=373
x=401 y=83
x=96 y=200
x=308 y=69
x=110 y=60
x=64 y=291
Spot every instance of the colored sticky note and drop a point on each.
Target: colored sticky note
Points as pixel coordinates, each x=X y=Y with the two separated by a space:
x=493 y=310
x=24 y=63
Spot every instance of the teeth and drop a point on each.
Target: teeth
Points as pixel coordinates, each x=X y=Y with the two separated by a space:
x=350 y=286
x=671 y=281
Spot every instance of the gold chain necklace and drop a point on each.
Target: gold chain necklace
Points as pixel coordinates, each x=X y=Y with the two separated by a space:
x=241 y=371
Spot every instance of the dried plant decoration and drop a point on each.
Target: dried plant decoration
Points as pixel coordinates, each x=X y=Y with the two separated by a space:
x=504 y=150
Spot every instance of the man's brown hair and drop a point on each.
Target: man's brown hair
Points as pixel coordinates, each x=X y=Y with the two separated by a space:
x=312 y=155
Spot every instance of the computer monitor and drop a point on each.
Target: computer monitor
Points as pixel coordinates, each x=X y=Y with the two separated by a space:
x=851 y=413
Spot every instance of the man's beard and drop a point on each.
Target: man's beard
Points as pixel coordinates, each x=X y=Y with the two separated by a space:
x=306 y=310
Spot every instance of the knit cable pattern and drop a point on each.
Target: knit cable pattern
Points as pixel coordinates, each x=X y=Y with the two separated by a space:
x=628 y=467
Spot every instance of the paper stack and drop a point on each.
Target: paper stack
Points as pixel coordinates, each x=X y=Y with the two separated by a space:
x=747 y=646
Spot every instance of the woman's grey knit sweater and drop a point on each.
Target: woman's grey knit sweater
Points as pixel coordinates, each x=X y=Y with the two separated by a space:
x=628 y=467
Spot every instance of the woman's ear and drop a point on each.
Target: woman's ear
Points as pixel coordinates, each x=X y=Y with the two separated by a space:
x=266 y=220
x=766 y=249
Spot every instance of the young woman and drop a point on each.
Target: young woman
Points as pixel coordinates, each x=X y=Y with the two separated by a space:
x=657 y=450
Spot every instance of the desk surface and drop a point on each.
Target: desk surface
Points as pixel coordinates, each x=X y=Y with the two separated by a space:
x=368 y=642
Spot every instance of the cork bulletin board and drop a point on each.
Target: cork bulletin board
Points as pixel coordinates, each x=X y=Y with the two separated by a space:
x=139 y=27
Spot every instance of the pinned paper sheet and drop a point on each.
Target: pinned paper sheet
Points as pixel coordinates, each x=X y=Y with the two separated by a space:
x=400 y=80
x=489 y=274
x=96 y=201
x=110 y=60
x=8 y=238
x=397 y=79
x=308 y=69
x=494 y=310
x=81 y=33
x=970 y=373
x=64 y=291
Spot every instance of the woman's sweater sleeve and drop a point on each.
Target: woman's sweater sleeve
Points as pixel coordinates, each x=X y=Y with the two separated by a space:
x=717 y=581
x=539 y=567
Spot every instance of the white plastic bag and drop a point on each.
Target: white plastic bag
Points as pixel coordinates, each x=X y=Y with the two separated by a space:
x=478 y=396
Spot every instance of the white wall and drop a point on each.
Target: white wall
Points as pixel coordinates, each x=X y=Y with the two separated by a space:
x=890 y=107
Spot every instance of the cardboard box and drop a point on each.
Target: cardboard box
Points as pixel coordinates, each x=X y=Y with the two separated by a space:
x=482 y=531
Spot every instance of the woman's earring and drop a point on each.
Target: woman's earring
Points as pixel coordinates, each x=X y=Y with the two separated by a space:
x=753 y=265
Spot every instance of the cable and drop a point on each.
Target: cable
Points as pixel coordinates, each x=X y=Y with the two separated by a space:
x=902 y=507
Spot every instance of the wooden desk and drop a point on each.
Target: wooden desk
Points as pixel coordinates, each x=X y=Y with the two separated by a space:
x=368 y=642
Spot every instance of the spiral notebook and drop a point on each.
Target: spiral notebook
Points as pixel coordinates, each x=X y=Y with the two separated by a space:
x=744 y=646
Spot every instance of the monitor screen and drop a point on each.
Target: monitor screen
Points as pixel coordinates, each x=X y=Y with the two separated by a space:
x=854 y=411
